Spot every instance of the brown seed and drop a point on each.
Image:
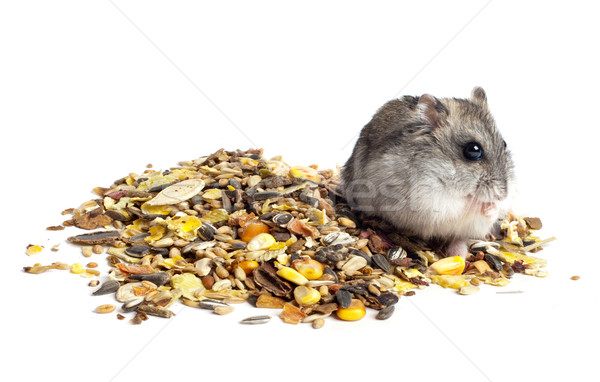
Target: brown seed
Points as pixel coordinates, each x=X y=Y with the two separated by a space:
x=373 y=289
x=86 y=251
x=92 y=265
x=55 y=228
x=318 y=323
x=575 y=277
x=224 y=309
x=155 y=311
x=94 y=283
x=239 y=273
x=221 y=272
x=120 y=316
x=346 y=222
x=106 y=308
x=208 y=281
x=98 y=249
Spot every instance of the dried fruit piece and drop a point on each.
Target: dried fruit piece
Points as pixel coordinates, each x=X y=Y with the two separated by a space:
x=354 y=312
x=134 y=269
x=298 y=227
x=270 y=302
x=292 y=314
x=453 y=265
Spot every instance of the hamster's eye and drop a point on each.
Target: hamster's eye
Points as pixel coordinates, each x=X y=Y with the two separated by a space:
x=473 y=151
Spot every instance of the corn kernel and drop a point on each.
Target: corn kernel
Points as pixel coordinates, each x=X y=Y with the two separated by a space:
x=252 y=229
x=77 y=268
x=33 y=249
x=354 y=312
x=248 y=266
x=306 y=295
x=454 y=265
x=308 y=173
x=309 y=268
x=292 y=275
x=260 y=242
x=449 y=281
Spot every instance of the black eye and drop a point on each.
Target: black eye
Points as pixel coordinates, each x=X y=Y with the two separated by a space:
x=473 y=151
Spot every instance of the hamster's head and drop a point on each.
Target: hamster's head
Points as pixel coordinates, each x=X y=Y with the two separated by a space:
x=447 y=172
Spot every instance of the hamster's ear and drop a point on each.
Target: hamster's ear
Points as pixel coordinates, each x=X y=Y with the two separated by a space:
x=430 y=110
x=478 y=96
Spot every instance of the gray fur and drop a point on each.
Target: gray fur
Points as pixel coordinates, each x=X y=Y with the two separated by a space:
x=408 y=167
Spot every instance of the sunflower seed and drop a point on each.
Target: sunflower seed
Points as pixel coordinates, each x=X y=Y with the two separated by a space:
x=381 y=262
x=109 y=286
x=132 y=305
x=138 y=251
x=385 y=313
x=343 y=297
x=256 y=320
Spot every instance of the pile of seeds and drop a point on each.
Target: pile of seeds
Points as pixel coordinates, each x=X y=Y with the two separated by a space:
x=235 y=227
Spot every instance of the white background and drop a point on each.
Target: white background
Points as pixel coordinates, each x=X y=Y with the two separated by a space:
x=93 y=90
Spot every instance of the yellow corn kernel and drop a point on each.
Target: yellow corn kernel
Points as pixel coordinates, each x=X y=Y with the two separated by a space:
x=354 y=312
x=309 y=268
x=292 y=275
x=215 y=216
x=34 y=249
x=188 y=283
x=306 y=295
x=77 y=268
x=449 y=281
x=185 y=227
x=156 y=210
x=156 y=232
x=308 y=173
x=260 y=242
x=454 y=265
x=212 y=194
x=248 y=266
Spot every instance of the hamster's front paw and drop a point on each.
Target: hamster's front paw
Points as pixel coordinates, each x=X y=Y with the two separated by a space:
x=458 y=247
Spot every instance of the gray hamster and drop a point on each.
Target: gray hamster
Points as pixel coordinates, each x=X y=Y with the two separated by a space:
x=435 y=167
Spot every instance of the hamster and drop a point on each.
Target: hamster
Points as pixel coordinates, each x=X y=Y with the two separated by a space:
x=435 y=167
